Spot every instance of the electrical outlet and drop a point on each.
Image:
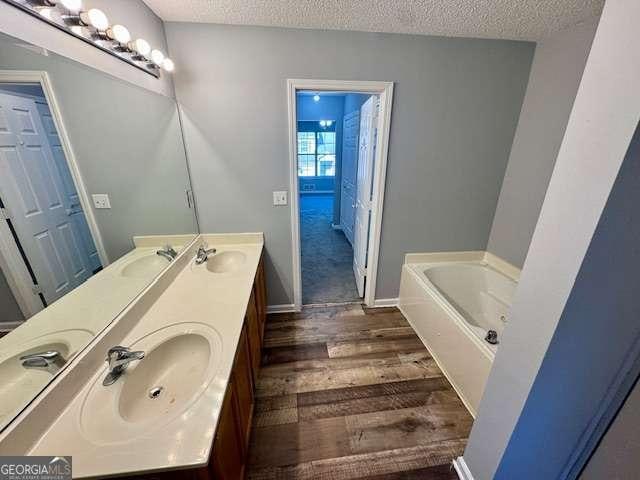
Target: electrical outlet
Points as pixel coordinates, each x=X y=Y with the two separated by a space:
x=280 y=198
x=101 y=200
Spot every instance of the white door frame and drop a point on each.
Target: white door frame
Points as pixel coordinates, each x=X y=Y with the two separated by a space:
x=385 y=91
x=11 y=261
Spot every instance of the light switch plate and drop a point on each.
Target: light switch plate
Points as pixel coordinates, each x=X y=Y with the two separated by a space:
x=280 y=198
x=101 y=200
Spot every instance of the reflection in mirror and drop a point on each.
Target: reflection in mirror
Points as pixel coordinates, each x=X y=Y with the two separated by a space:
x=95 y=197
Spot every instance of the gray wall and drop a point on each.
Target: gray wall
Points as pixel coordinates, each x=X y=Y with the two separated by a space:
x=456 y=105
x=556 y=71
x=575 y=312
x=618 y=455
x=134 y=14
x=127 y=143
x=9 y=309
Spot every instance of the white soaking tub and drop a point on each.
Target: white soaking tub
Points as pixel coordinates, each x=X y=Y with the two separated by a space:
x=453 y=300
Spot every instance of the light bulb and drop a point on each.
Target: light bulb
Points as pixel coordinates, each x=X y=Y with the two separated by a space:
x=71 y=5
x=140 y=46
x=323 y=123
x=328 y=123
x=120 y=34
x=157 y=57
x=96 y=18
x=49 y=13
x=80 y=30
x=316 y=98
x=168 y=65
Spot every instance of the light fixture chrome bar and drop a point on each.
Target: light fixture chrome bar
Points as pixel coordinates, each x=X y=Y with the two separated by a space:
x=29 y=7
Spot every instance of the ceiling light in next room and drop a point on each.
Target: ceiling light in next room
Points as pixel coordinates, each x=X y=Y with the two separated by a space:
x=316 y=98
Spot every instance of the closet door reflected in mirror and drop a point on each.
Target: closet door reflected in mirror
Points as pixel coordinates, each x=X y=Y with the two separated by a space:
x=95 y=199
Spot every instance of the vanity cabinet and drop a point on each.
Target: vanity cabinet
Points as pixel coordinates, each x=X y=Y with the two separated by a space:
x=231 y=442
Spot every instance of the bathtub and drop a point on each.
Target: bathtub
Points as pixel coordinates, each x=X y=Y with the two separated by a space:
x=452 y=300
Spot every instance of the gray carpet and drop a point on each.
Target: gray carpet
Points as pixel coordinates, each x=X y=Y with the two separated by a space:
x=327 y=256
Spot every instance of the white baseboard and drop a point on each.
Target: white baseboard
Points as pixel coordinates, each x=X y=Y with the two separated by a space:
x=285 y=308
x=461 y=469
x=385 y=302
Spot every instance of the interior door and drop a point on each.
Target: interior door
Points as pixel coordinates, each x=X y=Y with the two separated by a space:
x=33 y=194
x=72 y=201
x=364 y=181
x=350 y=129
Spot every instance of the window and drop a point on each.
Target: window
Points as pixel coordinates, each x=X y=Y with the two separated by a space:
x=316 y=149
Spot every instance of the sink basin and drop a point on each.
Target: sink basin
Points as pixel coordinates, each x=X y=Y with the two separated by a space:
x=165 y=379
x=180 y=361
x=225 y=262
x=145 y=267
x=18 y=385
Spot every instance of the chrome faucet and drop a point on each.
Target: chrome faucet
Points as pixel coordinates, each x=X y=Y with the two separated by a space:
x=167 y=252
x=118 y=359
x=50 y=360
x=203 y=253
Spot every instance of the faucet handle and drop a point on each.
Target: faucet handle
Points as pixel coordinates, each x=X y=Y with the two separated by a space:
x=117 y=351
x=41 y=359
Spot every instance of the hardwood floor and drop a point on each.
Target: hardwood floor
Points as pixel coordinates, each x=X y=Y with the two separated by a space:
x=352 y=393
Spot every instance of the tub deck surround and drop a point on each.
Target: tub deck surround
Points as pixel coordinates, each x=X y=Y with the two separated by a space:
x=195 y=303
x=452 y=299
x=347 y=392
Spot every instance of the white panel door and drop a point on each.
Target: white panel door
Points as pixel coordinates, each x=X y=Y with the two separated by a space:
x=33 y=194
x=72 y=201
x=350 y=129
x=364 y=181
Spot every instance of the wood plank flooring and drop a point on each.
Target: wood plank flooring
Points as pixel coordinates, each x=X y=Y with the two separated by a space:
x=346 y=393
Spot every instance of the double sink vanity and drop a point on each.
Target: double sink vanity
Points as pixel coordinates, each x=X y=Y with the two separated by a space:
x=129 y=339
x=176 y=392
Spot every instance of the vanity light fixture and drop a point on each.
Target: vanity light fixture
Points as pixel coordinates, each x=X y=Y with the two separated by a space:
x=120 y=35
x=168 y=65
x=157 y=57
x=74 y=6
x=96 y=18
x=92 y=26
x=141 y=49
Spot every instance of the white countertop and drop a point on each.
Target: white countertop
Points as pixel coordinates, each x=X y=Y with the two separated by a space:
x=217 y=300
x=72 y=322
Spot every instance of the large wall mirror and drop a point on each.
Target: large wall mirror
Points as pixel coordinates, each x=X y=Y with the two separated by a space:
x=96 y=202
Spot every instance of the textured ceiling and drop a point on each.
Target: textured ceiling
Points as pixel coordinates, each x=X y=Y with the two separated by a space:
x=508 y=19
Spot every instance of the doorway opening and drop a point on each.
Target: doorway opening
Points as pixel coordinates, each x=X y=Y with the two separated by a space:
x=339 y=141
x=48 y=245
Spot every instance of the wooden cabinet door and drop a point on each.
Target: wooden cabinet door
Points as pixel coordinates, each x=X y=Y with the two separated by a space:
x=260 y=295
x=243 y=382
x=255 y=342
x=227 y=459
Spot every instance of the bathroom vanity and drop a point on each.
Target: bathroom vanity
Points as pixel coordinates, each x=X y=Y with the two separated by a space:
x=103 y=260
x=182 y=411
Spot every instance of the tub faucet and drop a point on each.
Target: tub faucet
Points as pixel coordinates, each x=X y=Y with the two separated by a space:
x=167 y=252
x=203 y=253
x=118 y=359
